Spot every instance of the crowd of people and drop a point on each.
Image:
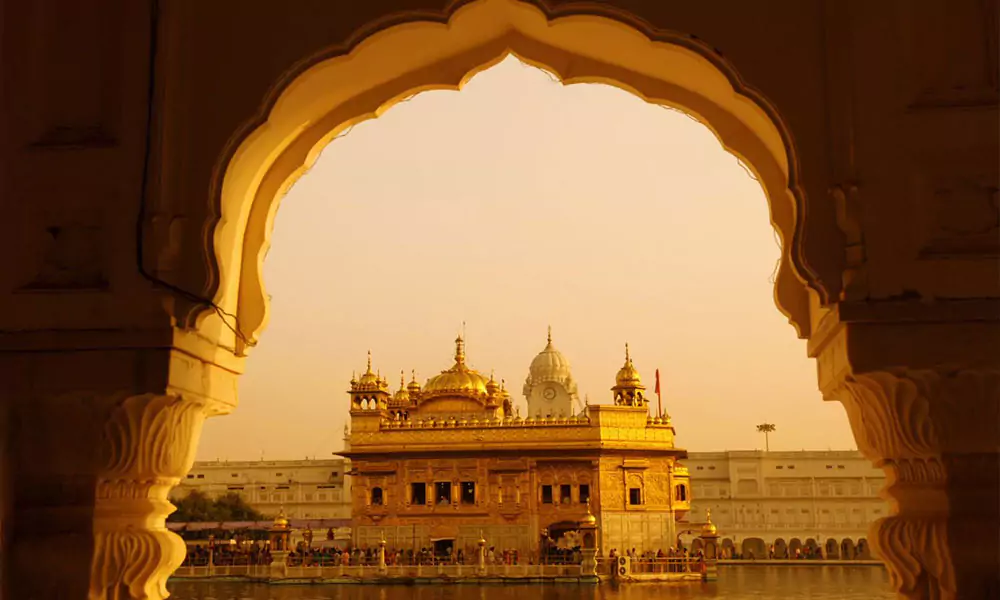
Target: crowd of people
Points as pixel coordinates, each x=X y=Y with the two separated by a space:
x=200 y=555
x=226 y=555
x=671 y=560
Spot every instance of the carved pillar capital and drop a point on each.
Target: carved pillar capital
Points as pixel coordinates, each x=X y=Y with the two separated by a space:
x=936 y=432
x=148 y=444
x=94 y=471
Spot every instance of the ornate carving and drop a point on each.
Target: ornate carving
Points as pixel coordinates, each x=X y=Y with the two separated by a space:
x=917 y=554
x=935 y=433
x=920 y=414
x=149 y=444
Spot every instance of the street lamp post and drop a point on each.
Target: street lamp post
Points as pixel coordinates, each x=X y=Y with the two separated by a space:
x=766 y=428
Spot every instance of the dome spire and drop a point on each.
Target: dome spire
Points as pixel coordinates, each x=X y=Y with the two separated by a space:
x=369 y=362
x=459 y=351
x=628 y=358
x=550 y=335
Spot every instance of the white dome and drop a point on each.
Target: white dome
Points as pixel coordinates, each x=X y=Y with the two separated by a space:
x=550 y=366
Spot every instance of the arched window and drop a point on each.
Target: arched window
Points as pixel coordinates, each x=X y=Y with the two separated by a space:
x=377 y=496
x=681 y=493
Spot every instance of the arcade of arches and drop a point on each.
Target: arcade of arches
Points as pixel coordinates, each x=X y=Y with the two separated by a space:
x=147 y=144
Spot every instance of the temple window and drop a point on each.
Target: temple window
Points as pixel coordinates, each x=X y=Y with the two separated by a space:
x=682 y=493
x=376 y=496
x=418 y=493
x=635 y=496
x=584 y=493
x=546 y=494
x=468 y=492
x=442 y=492
x=565 y=492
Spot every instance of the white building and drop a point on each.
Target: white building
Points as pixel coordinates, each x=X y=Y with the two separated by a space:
x=306 y=489
x=788 y=499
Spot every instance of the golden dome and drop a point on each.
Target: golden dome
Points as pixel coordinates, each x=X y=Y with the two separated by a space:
x=459 y=379
x=402 y=394
x=628 y=376
x=281 y=521
x=492 y=387
x=708 y=529
x=414 y=386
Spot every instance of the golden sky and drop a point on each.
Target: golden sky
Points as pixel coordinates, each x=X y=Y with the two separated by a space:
x=512 y=205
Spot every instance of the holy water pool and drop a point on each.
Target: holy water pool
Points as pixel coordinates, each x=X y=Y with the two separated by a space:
x=735 y=583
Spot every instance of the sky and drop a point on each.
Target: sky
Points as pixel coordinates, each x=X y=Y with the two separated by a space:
x=512 y=205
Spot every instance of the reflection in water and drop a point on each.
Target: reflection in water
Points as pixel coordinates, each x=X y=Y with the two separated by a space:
x=735 y=583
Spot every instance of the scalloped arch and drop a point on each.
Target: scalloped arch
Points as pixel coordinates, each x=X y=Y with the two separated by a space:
x=335 y=92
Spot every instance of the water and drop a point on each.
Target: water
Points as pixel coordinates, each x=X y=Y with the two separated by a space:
x=735 y=583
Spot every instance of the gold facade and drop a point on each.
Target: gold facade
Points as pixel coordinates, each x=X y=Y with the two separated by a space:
x=445 y=462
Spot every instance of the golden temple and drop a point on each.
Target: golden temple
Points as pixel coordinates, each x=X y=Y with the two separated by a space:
x=438 y=465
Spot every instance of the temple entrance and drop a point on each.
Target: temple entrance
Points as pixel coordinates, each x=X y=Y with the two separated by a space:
x=560 y=543
x=443 y=549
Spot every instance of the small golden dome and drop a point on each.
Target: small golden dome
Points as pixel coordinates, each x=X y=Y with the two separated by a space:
x=368 y=377
x=281 y=521
x=402 y=394
x=414 y=386
x=492 y=387
x=459 y=379
x=708 y=528
x=589 y=518
x=628 y=376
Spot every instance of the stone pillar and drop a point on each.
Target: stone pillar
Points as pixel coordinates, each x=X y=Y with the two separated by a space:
x=935 y=432
x=710 y=550
x=481 y=556
x=91 y=478
x=382 y=569
x=100 y=426
x=588 y=551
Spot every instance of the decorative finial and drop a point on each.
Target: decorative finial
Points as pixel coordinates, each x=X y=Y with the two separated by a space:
x=414 y=373
x=369 y=361
x=627 y=357
x=550 y=335
x=459 y=350
x=402 y=379
x=708 y=515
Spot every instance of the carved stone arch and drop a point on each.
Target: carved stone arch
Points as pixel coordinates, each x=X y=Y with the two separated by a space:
x=335 y=89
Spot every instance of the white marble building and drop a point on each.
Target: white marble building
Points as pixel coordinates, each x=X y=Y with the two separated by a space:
x=306 y=489
x=787 y=498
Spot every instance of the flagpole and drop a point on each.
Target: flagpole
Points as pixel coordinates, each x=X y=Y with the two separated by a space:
x=659 y=397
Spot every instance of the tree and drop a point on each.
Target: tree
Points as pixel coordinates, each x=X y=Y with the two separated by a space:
x=197 y=507
x=766 y=428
